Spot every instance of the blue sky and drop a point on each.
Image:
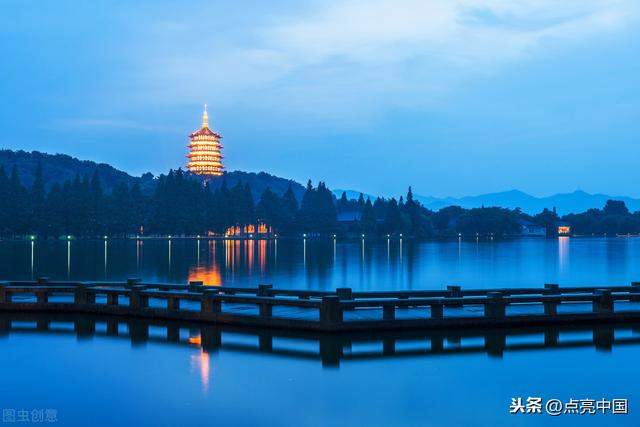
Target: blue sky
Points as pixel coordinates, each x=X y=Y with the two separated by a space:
x=454 y=97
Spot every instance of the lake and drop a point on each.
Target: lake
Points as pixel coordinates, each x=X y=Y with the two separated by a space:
x=91 y=370
x=327 y=264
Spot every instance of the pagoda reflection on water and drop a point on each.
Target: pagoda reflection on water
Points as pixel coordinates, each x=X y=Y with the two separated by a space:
x=205 y=150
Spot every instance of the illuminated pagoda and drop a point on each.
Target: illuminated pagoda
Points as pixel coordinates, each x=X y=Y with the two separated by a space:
x=205 y=150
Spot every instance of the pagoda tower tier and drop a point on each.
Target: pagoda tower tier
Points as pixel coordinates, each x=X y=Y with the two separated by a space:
x=205 y=150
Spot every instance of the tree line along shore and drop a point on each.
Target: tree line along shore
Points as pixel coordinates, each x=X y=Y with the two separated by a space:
x=180 y=204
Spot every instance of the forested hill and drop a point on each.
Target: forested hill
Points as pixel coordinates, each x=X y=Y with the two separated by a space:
x=59 y=168
x=258 y=183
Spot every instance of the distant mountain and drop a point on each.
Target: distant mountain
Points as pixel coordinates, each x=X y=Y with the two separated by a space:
x=351 y=194
x=58 y=168
x=577 y=201
x=259 y=182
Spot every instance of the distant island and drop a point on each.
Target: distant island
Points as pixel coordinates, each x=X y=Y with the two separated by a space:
x=49 y=196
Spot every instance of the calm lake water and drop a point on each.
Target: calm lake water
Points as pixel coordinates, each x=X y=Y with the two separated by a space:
x=325 y=264
x=105 y=372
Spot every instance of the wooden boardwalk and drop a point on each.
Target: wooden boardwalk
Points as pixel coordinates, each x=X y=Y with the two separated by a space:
x=342 y=310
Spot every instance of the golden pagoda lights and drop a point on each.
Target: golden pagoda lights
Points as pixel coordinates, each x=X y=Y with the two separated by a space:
x=205 y=150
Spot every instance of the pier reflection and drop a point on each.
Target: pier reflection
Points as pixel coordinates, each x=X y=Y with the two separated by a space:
x=329 y=350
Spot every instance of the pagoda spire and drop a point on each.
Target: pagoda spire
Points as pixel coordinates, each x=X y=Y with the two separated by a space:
x=205 y=118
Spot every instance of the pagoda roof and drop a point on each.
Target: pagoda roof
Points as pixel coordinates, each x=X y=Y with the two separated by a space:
x=205 y=131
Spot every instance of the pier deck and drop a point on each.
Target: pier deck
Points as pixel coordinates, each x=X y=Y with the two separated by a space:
x=342 y=310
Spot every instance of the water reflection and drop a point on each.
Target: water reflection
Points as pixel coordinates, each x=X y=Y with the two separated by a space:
x=330 y=350
x=563 y=252
x=331 y=263
x=209 y=275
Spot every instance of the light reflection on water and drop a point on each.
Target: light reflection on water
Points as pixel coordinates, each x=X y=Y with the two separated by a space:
x=267 y=377
x=328 y=264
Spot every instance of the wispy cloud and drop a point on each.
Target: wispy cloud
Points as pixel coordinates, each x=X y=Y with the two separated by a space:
x=346 y=56
x=102 y=124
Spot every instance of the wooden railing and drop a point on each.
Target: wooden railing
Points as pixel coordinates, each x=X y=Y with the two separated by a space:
x=342 y=309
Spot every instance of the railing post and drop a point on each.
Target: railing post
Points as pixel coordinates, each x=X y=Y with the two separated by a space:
x=602 y=302
x=194 y=285
x=132 y=281
x=551 y=289
x=495 y=306
x=345 y=294
x=388 y=312
x=264 y=290
x=42 y=280
x=330 y=310
x=455 y=291
x=136 y=299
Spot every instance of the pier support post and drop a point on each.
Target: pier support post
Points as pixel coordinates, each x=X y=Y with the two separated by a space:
x=136 y=299
x=80 y=296
x=388 y=312
x=437 y=310
x=173 y=304
x=495 y=307
x=209 y=303
x=551 y=307
x=455 y=291
x=264 y=290
x=42 y=297
x=266 y=309
x=602 y=302
x=112 y=299
x=5 y=295
x=635 y=292
x=330 y=310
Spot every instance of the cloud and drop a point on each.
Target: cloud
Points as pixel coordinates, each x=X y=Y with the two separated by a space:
x=103 y=123
x=350 y=57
